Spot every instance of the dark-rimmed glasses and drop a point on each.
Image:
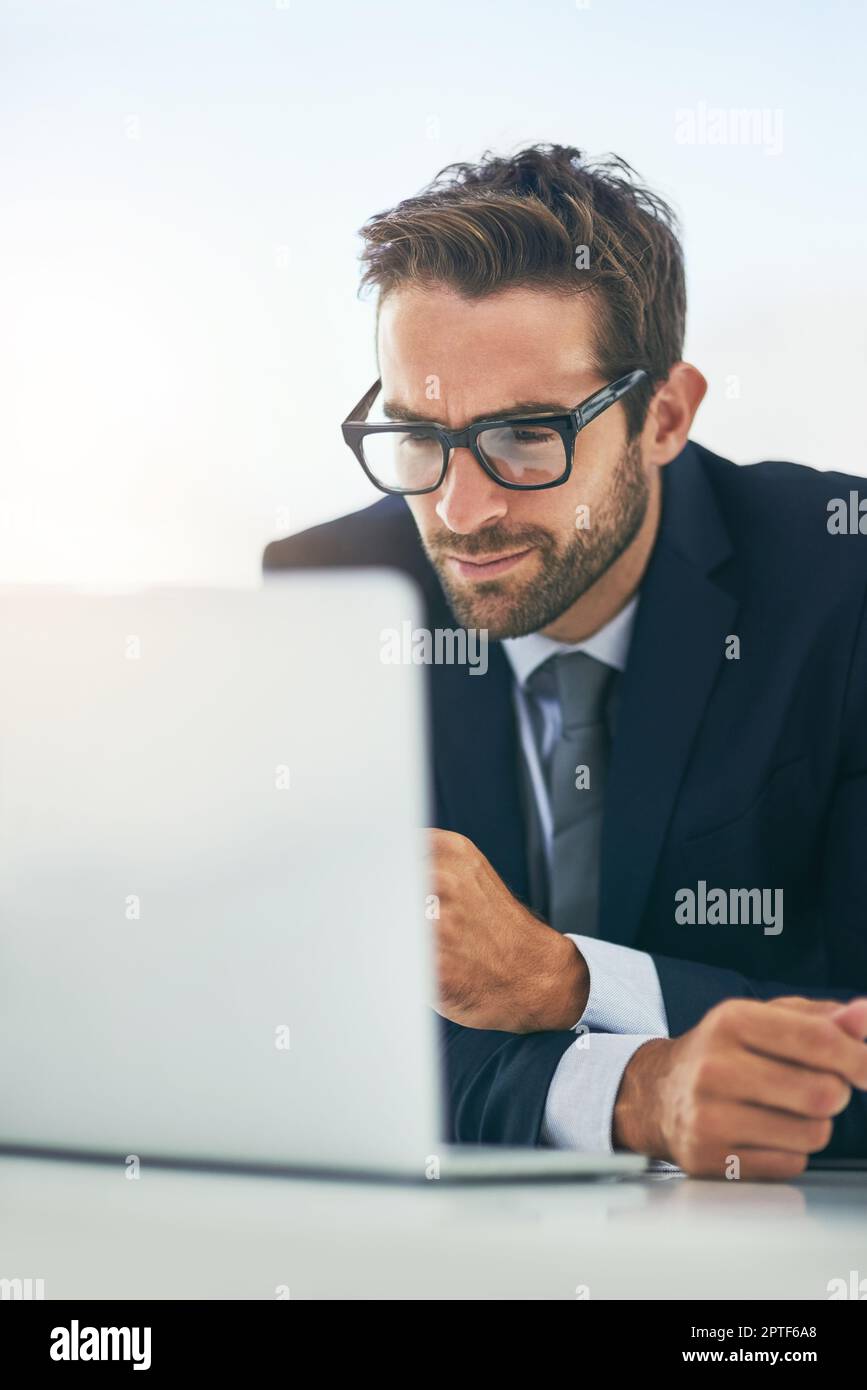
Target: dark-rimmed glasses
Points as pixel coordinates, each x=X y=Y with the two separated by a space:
x=525 y=453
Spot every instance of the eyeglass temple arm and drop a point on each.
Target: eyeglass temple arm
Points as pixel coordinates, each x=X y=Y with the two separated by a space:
x=359 y=412
x=609 y=394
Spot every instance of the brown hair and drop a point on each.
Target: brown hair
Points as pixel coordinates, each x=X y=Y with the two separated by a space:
x=521 y=220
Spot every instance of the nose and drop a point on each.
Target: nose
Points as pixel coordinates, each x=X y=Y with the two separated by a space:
x=469 y=500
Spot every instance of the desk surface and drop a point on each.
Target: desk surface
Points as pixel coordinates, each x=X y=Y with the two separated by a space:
x=90 y=1232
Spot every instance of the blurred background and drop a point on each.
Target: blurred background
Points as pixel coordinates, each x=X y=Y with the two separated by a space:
x=180 y=333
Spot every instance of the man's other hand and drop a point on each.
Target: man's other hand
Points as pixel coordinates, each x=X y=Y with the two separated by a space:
x=757 y=1082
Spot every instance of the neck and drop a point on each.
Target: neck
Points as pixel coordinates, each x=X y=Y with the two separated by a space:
x=613 y=590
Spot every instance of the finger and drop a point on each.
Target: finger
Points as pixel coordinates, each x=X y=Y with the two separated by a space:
x=784 y=1086
x=755 y=1165
x=852 y=1018
x=761 y=1126
x=807 y=1006
x=809 y=1039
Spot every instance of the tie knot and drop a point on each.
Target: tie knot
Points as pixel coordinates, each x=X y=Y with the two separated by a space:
x=580 y=684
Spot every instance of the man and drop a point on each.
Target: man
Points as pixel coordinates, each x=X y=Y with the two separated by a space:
x=674 y=640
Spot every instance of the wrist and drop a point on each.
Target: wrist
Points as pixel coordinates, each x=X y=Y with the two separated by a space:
x=567 y=985
x=637 y=1123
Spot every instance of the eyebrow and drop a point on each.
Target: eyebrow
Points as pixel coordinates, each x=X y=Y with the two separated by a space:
x=392 y=410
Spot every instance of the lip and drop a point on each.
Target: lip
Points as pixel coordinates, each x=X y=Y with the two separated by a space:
x=487 y=569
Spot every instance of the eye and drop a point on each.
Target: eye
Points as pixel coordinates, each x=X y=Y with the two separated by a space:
x=528 y=434
x=416 y=437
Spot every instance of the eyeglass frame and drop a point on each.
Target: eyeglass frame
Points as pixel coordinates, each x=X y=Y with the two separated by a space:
x=568 y=425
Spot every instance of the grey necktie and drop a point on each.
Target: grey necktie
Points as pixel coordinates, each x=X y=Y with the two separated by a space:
x=575 y=773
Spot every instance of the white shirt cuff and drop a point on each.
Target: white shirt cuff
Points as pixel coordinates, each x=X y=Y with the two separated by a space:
x=625 y=993
x=580 y=1106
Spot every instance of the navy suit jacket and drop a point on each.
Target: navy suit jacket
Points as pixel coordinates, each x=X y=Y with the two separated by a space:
x=744 y=773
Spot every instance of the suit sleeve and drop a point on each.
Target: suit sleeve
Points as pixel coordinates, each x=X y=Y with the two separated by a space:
x=497 y=1083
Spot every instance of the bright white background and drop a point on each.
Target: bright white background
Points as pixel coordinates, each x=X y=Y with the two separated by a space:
x=182 y=184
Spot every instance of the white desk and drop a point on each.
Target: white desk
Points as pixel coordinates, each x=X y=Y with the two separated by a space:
x=89 y=1232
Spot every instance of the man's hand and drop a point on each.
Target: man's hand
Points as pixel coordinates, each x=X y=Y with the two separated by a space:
x=760 y=1081
x=499 y=966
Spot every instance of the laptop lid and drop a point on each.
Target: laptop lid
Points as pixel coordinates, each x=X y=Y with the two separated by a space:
x=213 y=941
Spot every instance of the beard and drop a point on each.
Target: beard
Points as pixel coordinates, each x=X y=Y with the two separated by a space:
x=566 y=570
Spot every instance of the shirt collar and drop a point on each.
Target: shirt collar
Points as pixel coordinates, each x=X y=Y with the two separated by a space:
x=610 y=645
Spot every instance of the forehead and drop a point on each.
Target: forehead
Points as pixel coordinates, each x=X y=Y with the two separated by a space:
x=513 y=345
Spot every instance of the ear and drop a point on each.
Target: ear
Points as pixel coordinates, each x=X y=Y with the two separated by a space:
x=671 y=413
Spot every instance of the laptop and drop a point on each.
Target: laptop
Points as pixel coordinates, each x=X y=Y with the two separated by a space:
x=213 y=940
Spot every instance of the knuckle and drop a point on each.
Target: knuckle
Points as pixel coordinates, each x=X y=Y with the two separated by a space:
x=723 y=1015
x=707 y=1073
x=443 y=840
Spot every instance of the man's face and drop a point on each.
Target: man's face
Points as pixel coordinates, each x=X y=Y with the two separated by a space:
x=511 y=562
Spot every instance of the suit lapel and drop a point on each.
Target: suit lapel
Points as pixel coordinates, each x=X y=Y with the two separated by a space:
x=477 y=770
x=677 y=649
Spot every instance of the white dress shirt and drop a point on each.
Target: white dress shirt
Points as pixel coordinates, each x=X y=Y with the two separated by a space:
x=625 y=1007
